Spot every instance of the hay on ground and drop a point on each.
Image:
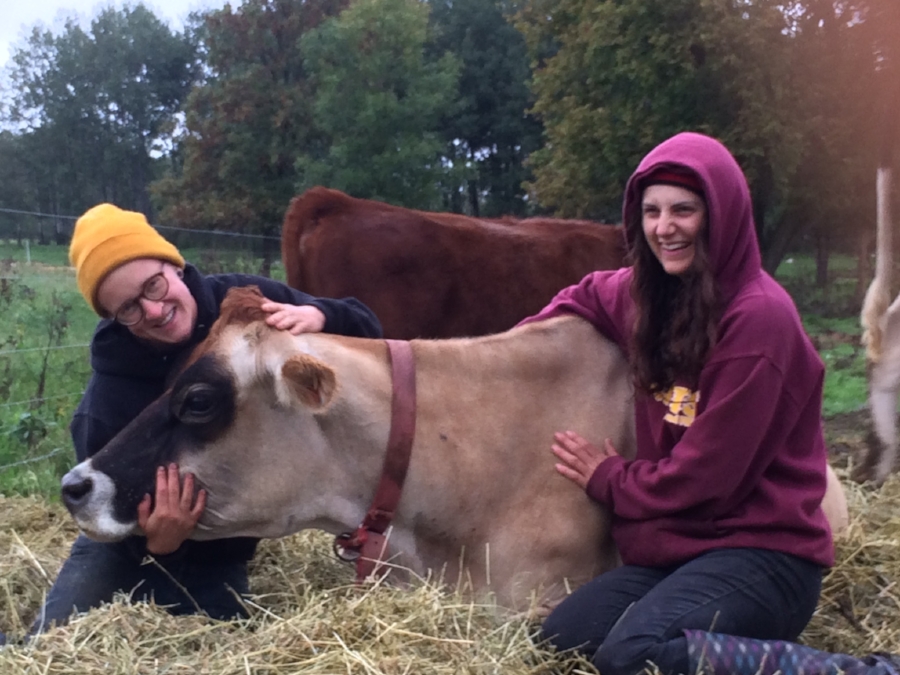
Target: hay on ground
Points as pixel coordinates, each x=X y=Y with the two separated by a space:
x=308 y=617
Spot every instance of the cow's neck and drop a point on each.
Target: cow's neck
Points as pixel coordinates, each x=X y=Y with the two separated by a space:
x=360 y=446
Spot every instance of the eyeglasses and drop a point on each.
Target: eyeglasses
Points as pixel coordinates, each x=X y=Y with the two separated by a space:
x=155 y=288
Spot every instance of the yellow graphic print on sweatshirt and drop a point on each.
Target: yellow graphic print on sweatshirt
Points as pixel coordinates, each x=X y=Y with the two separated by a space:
x=682 y=404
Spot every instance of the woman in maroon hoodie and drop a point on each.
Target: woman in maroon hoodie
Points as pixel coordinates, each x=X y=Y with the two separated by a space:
x=717 y=518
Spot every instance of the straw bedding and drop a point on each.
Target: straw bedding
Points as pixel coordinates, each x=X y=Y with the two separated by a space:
x=308 y=617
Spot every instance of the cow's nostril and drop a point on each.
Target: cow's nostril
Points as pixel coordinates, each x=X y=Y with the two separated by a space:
x=75 y=490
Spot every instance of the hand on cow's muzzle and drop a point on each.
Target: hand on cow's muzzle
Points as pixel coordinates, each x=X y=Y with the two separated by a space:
x=169 y=518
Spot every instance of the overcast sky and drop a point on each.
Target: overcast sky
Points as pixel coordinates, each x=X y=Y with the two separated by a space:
x=19 y=16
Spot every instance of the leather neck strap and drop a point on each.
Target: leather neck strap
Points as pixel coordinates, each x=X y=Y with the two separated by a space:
x=368 y=543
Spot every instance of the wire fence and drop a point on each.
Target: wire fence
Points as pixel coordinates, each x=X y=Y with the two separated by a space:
x=12 y=223
x=34 y=228
x=31 y=460
x=5 y=352
x=42 y=399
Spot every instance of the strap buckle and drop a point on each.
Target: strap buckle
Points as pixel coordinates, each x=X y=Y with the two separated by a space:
x=347 y=547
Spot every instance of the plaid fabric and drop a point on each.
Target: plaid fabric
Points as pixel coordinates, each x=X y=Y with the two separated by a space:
x=717 y=654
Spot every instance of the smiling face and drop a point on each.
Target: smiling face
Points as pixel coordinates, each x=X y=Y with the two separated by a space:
x=673 y=218
x=168 y=320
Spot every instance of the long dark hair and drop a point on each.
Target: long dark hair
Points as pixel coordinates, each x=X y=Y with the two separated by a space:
x=677 y=317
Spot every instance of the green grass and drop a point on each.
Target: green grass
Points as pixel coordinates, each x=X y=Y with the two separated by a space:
x=831 y=318
x=846 y=388
x=836 y=299
x=45 y=326
x=11 y=251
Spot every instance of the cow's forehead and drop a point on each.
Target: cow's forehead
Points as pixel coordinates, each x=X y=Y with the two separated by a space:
x=255 y=350
x=240 y=349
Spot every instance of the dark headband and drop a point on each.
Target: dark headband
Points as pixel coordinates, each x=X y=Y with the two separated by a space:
x=669 y=177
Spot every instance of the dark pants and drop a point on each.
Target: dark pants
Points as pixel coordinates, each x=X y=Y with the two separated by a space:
x=95 y=572
x=632 y=616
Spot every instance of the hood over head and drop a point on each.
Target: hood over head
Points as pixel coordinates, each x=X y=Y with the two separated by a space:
x=733 y=247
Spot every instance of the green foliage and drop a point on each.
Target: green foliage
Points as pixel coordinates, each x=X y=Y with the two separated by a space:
x=831 y=318
x=248 y=121
x=17 y=187
x=44 y=329
x=788 y=87
x=836 y=96
x=846 y=387
x=363 y=103
x=211 y=261
x=629 y=73
x=378 y=103
x=487 y=133
x=29 y=429
x=838 y=298
x=95 y=107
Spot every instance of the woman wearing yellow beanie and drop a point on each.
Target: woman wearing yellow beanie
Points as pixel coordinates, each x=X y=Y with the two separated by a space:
x=154 y=309
x=106 y=237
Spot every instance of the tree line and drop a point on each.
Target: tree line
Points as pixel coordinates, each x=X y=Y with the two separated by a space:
x=489 y=107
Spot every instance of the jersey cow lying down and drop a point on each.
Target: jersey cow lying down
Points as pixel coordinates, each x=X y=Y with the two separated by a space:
x=438 y=275
x=289 y=432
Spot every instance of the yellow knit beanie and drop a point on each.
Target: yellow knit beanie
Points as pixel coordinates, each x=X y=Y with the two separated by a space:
x=106 y=237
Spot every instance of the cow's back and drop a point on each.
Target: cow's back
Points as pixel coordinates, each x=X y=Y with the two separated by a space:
x=438 y=275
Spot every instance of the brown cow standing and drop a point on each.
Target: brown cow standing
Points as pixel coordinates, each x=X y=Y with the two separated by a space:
x=438 y=275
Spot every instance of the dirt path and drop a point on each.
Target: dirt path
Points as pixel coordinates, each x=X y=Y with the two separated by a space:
x=845 y=436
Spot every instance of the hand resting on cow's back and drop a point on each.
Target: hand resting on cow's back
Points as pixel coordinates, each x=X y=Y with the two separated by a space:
x=289 y=432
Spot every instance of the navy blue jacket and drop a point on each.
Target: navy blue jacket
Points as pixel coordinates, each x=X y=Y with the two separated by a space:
x=128 y=374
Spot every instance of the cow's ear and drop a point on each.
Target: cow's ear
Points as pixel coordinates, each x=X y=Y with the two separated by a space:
x=308 y=380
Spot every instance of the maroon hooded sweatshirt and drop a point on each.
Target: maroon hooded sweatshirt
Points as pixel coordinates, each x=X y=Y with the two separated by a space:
x=741 y=460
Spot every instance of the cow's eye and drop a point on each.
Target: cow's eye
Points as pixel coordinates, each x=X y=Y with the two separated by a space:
x=196 y=404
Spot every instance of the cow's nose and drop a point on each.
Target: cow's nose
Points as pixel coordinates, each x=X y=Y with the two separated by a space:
x=76 y=490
